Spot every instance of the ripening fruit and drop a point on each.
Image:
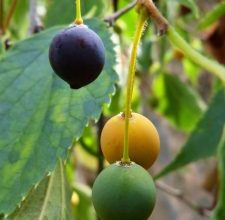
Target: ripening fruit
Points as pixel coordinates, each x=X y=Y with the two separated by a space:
x=144 y=143
x=124 y=192
x=77 y=55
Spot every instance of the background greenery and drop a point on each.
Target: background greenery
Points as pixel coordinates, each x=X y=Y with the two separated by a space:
x=44 y=124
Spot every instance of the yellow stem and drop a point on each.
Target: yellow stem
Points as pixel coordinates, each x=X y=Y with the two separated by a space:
x=78 y=19
x=130 y=83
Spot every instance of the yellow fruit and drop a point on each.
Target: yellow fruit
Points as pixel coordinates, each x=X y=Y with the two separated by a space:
x=144 y=143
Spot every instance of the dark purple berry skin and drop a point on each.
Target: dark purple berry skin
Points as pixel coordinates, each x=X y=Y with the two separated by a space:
x=77 y=55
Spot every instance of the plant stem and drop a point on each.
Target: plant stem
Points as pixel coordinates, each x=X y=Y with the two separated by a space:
x=164 y=27
x=78 y=19
x=1 y=18
x=196 y=57
x=130 y=83
x=10 y=14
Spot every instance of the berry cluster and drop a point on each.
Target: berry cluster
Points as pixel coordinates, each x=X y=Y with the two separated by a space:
x=126 y=191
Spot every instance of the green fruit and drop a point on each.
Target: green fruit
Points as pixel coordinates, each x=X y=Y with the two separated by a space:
x=124 y=192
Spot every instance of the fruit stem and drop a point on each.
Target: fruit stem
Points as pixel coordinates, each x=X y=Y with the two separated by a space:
x=78 y=19
x=130 y=82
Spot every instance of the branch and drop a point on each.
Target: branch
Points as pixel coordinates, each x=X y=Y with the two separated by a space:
x=112 y=18
x=203 y=211
x=176 y=40
x=10 y=14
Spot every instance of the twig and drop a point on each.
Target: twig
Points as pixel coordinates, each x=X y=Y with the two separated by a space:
x=112 y=18
x=203 y=211
x=10 y=14
x=1 y=18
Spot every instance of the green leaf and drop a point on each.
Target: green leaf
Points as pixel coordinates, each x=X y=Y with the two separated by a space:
x=212 y=16
x=190 y=4
x=84 y=210
x=88 y=8
x=177 y=101
x=40 y=115
x=51 y=199
x=218 y=213
x=191 y=70
x=205 y=137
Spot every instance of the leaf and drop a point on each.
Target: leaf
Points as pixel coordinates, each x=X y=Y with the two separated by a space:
x=205 y=137
x=84 y=210
x=212 y=16
x=40 y=115
x=177 y=101
x=191 y=70
x=93 y=8
x=190 y=4
x=218 y=212
x=51 y=199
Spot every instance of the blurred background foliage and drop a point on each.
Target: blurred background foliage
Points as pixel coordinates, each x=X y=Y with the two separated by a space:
x=186 y=102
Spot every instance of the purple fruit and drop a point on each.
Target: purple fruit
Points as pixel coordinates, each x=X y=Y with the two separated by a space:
x=77 y=55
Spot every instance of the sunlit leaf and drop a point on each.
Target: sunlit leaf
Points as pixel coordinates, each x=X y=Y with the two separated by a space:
x=177 y=101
